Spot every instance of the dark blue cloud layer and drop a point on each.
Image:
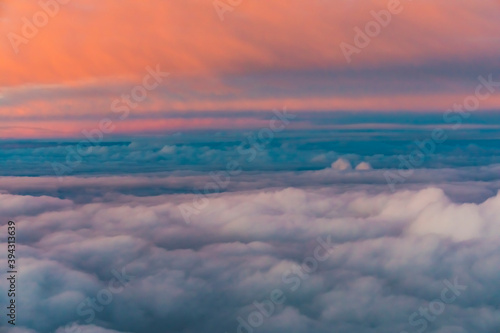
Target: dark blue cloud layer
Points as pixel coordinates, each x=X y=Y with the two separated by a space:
x=472 y=142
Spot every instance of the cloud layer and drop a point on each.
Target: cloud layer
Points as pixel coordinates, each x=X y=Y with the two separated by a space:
x=390 y=256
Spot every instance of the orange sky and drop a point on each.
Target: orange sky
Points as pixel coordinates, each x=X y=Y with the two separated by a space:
x=263 y=55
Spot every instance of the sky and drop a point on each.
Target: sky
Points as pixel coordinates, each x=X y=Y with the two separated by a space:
x=250 y=166
x=63 y=74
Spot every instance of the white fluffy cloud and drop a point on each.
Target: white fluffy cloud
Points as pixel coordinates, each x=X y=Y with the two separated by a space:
x=392 y=252
x=363 y=166
x=341 y=164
